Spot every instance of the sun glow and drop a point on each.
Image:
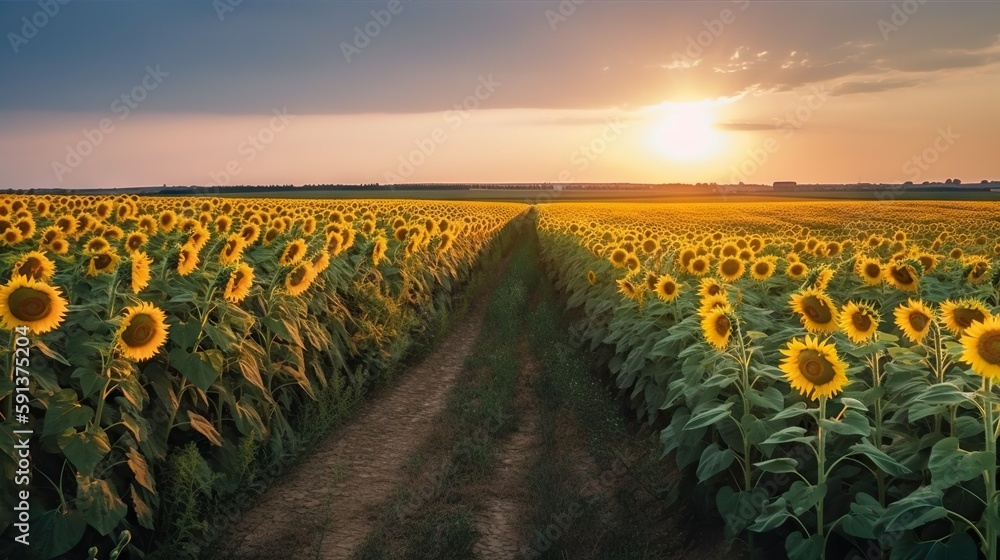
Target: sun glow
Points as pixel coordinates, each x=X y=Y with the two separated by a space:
x=685 y=132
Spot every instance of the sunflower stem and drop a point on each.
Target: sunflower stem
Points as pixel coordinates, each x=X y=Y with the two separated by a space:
x=821 y=464
x=990 y=542
x=877 y=383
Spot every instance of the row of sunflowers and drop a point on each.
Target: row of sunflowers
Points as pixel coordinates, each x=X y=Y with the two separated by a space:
x=155 y=323
x=824 y=371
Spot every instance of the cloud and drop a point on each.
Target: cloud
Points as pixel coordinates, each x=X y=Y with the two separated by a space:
x=878 y=86
x=745 y=126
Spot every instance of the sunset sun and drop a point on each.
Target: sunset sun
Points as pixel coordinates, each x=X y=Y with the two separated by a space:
x=685 y=132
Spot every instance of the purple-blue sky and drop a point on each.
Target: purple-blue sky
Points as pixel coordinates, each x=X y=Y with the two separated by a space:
x=119 y=93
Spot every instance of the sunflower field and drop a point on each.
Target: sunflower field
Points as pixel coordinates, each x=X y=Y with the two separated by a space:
x=151 y=325
x=824 y=371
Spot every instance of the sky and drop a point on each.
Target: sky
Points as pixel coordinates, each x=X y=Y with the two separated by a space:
x=106 y=93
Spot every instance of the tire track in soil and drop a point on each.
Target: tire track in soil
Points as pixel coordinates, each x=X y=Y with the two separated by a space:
x=501 y=520
x=306 y=515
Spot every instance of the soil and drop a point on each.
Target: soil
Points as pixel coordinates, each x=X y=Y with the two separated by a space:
x=327 y=504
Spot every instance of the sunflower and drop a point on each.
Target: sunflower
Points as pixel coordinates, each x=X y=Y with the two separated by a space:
x=978 y=268
x=902 y=276
x=618 y=257
x=30 y=303
x=591 y=277
x=914 y=319
x=232 y=249
x=300 y=278
x=981 y=348
x=628 y=289
x=35 y=265
x=960 y=315
x=859 y=321
x=710 y=303
x=717 y=327
x=667 y=288
x=135 y=240
x=187 y=260
x=710 y=287
x=59 y=246
x=321 y=262
x=633 y=264
x=823 y=278
x=140 y=271
x=813 y=368
x=816 y=310
x=762 y=268
x=731 y=268
x=379 y=250
x=96 y=245
x=239 y=284
x=797 y=270
x=142 y=332
x=104 y=262
x=699 y=266
x=871 y=271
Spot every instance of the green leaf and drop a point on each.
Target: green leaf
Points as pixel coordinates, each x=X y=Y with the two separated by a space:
x=714 y=460
x=55 y=533
x=801 y=548
x=865 y=512
x=853 y=403
x=84 y=449
x=922 y=506
x=184 y=334
x=194 y=368
x=739 y=509
x=91 y=380
x=769 y=399
x=950 y=465
x=205 y=428
x=803 y=497
x=779 y=465
x=792 y=411
x=44 y=349
x=708 y=417
x=788 y=435
x=853 y=424
x=881 y=459
x=772 y=517
x=99 y=504
x=64 y=411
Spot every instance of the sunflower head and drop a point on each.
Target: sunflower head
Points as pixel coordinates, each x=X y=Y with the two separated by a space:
x=816 y=310
x=813 y=368
x=981 y=348
x=142 y=332
x=300 y=278
x=902 y=276
x=960 y=315
x=859 y=321
x=139 y=272
x=31 y=303
x=914 y=319
x=871 y=271
x=239 y=283
x=762 y=268
x=35 y=265
x=717 y=326
x=666 y=288
x=629 y=290
x=797 y=270
x=731 y=268
x=104 y=262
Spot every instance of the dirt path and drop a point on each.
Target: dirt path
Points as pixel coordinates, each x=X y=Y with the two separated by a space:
x=326 y=506
x=501 y=522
